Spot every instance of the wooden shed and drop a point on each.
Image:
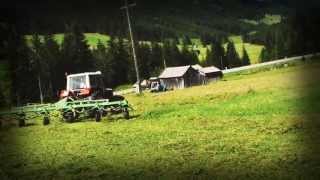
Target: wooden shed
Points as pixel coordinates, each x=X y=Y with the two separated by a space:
x=180 y=77
x=211 y=74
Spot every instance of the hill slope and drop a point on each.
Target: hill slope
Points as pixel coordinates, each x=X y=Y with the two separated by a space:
x=150 y=19
x=250 y=126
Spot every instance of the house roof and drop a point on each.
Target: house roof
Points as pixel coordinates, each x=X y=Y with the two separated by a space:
x=210 y=69
x=85 y=74
x=172 y=72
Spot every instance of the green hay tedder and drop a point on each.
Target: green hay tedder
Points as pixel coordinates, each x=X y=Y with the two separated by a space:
x=85 y=96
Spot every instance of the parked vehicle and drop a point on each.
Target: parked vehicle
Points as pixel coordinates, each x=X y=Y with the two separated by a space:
x=157 y=86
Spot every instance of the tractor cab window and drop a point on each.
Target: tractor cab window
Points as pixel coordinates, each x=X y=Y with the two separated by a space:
x=78 y=82
x=96 y=81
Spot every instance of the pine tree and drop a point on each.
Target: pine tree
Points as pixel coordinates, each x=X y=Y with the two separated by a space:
x=123 y=63
x=205 y=39
x=2 y=98
x=264 y=57
x=54 y=79
x=245 y=57
x=172 y=54
x=209 y=58
x=156 y=60
x=187 y=56
x=38 y=64
x=76 y=53
x=144 y=56
x=23 y=86
x=218 y=55
x=166 y=53
x=232 y=56
x=187 y=40
x=105 y=62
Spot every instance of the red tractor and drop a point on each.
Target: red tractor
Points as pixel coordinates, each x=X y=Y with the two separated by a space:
x=88 y=86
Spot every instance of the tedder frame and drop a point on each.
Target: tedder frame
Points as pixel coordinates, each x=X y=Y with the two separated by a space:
x=69 y=109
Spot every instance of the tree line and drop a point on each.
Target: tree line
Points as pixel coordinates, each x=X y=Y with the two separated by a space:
x=41 y=65
x=296 y=35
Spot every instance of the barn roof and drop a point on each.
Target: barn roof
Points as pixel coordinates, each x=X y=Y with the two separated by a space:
x=197 y=67
x=210 y=69
x=172 y=72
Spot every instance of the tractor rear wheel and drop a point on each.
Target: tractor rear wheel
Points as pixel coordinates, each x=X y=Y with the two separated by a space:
x=46 y=121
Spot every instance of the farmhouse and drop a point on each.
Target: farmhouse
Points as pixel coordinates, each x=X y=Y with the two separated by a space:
x=180 y=77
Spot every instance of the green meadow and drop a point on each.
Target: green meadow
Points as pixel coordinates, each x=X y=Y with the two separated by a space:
x=261 y=125
x=93 y=39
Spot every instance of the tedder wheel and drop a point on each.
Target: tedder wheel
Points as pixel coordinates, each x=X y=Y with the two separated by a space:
x=46 y=121
x=126 y=113
x=22 y=122
x=69 y=116
x=98 y=115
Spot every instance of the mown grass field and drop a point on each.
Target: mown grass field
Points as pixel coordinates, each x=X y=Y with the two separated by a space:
x=263 y=125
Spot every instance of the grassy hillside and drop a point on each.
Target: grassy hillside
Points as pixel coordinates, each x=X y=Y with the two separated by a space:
x=253 y=50
x=268 y=19
x=174 y=17
x=250 y=126
x=93 y=39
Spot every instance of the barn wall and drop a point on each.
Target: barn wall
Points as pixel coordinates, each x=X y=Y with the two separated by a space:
x=192 y=78
x=173 y=83
x=213 y=77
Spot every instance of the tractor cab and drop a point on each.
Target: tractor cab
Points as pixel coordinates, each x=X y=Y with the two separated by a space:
x=86 y=86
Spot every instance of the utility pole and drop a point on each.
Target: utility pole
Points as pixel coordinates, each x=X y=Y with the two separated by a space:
x=162 y=48
x=126 y=8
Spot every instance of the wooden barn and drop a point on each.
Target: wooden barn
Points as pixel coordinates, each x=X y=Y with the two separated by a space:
x=211 y=74
x=180 y=77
